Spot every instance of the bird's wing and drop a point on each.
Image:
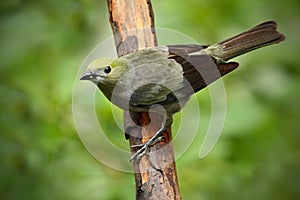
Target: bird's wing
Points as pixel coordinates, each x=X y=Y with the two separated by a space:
x=180 y=70
x=199 y=69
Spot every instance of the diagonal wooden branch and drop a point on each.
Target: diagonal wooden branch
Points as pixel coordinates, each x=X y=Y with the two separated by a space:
x=132 y=22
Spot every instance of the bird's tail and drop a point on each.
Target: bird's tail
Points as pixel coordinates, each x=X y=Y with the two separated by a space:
x=259 y=36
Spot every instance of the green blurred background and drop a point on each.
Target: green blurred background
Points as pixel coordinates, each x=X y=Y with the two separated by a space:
x=42 y=46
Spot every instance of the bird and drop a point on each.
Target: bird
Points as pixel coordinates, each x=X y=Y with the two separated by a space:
x=166 y=76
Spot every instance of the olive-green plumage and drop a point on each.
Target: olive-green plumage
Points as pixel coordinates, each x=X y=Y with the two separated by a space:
x=168 y=75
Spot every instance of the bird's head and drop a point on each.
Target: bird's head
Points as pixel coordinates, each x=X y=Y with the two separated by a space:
x=105 y=71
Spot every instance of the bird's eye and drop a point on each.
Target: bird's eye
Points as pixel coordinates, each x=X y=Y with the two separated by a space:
x=107 y=69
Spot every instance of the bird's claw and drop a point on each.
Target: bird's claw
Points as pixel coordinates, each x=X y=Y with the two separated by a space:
x=144 y=147
x=138 y=155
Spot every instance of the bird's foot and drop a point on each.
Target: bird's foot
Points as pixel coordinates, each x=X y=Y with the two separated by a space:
x=144 y=147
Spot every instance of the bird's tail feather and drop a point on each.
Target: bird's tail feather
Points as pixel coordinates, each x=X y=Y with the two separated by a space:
x=259 y=36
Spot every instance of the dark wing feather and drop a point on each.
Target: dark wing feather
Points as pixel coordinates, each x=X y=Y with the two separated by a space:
x=198 y=70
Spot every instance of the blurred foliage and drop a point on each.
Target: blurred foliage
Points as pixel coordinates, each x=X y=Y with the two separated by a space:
x=42 y=157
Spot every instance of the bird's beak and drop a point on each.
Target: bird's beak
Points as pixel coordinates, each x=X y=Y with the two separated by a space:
x=88 y=75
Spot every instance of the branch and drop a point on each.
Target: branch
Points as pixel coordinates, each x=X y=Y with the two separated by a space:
x=132 y=22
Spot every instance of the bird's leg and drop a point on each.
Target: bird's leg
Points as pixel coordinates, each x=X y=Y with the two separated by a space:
x=157 y=137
